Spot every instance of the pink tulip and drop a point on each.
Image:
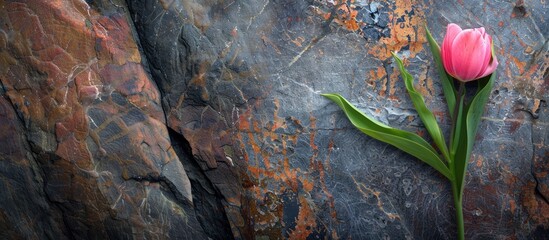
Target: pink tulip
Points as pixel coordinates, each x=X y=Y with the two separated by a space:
x=467 y=54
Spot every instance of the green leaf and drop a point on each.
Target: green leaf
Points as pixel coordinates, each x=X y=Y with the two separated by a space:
x=469 y=128
x=446 y=80
x=427 y=117
x=406 y=141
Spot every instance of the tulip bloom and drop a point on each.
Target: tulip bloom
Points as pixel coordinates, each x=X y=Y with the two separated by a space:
x=467 y=54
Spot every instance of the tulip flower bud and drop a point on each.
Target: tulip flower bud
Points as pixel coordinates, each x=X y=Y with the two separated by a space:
x=467 y=54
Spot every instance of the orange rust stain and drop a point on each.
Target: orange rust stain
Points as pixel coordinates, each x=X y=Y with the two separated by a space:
x=255 y=127
x=254 y=145
x=520 y=65
x=380 y=73
x=376 y=75
x=293 y=139
x=537 y=209
x=348 y=18
x=289 y=175
x=479 y=161
x=258 y=172
x=392 y=88
x=512 y=205
x=306 y=220
x=383 y=90
x=533 y=69
x=278 y=121
x=279 y=173
x=266 y=161
x=244 y=121
x=319 y=167
x=440 y=115
x=307 y=185
x=298 y=41
x=393 y=78
x=522 y=43
x=259 y=155
x=404 y=33
x=240 y=139
x=312 y=135
x=408 y=32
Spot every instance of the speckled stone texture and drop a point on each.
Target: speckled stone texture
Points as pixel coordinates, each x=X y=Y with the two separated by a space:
x=197 y=119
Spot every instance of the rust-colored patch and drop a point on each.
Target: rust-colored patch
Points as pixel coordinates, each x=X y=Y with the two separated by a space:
x=519 y=64
x=298 y=41
x=405 y=23
x=537 y=208
x=278 y=121
x=479 y=161
x=199 y=80
x=347 y=17
x=366 y=191
x=270 y=172
x=63 y=59
x=306 y=220
x=393 y=79
x=512 y=205
x=408 y=32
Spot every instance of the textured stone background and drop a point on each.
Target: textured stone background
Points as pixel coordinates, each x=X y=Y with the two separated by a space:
x=189 y=119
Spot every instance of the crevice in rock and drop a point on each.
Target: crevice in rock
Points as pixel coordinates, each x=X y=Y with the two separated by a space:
x=539 y=193
x=147 y=66
x=537 y=190
x=166 y=185
x=207 y=200
x=3 y=90
x=519 y=10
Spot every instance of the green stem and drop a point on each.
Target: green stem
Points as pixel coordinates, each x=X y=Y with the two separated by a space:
x=456 y=189
x=461 y=91
x=459 y=211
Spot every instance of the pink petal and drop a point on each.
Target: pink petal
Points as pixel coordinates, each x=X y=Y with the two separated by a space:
x=452 y=30
x=481 y=30
x=490 y=69
x=487 y=55
x=468 y=53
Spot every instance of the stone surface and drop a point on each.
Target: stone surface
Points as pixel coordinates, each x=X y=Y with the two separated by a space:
x=202 y=119
x=86 y=152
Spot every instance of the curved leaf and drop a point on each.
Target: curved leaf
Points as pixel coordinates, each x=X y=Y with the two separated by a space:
x=469 y=128
x=446 y=80
x=406 y=141
x=427 y=117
